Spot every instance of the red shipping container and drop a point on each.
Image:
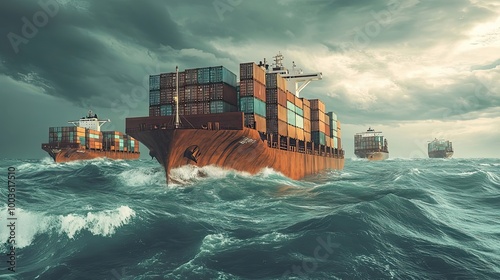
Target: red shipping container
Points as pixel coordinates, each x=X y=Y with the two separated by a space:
x=253 y=88
x=317 y=104
x=222 y=91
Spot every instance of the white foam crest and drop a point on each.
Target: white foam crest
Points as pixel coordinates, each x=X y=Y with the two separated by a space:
x=27 y=226
x=465 y=173
x=30 y=224
x=415 y=171
x=493 y=177
x=190 y=173
x=43 y=164
x=102 y=223
x=267 y=172
x=143 y=176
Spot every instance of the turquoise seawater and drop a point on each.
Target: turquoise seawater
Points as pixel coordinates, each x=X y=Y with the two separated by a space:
x=395 y=219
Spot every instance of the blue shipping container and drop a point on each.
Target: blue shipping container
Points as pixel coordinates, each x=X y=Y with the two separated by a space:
x=154 y=82
x=290 y=106
x=221 y=74
x=299 y=111
x=332 y=115
x=250 y=105
x=291 y=117
x=220 y=106
x=154 y=97
x=318 y=137
x=204 y=75
x=166 y=110
x=299 y=121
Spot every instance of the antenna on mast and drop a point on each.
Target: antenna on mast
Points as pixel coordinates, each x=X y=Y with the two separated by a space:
x=177 y=121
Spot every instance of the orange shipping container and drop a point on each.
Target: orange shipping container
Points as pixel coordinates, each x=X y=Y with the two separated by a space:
x=300 y=134
x=275 y=80
x=299 y=103
x=253 y=88
x=307 y=136
x=306 y=102
x=277 y=127
x=290 y=97
x=318 y=126
x=317 y=104
x=255 y=121
x=307 y=112
x=250 y=70
x=307 y=125
x=292 y=131
x=317 y=115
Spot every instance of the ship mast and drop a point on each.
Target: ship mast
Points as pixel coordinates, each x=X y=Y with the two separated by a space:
x=299 y=79
x=177 y=121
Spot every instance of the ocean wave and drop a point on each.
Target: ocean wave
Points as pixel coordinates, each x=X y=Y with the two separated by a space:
x=143 y=176
x=103 y=223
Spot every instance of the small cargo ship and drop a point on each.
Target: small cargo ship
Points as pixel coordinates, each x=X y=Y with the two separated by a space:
x=85 y=140
x=440 y=148
x=204 y=116
x=371 y=145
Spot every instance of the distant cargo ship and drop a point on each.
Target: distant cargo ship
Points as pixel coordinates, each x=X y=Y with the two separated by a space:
x=370 y=145
x=440 y=149
x=205 y=117
x=85 y=140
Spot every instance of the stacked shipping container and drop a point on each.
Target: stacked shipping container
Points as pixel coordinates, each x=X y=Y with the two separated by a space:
x=276 y=105
x=93 y=139
x=117 y=141
x=253 y=95
x=206 y=90
x=318 y=122
x=69 y=134
x=334 y=127
x=262 y=97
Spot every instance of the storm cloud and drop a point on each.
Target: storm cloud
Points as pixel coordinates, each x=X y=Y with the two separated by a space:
x=390 y=63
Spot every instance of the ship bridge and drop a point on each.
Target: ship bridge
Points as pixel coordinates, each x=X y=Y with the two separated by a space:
x=297 y=80
x=91 y=121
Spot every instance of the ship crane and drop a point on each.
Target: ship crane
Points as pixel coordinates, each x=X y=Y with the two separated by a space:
x=299 y=79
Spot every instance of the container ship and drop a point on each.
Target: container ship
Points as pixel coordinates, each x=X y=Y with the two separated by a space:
x=204 y=116
x=440 y=149
x=371 y=145
x=85 y=140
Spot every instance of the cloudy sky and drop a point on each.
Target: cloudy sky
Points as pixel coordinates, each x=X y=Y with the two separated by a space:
x=413 y=69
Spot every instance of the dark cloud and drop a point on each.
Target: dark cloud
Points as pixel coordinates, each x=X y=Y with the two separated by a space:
x=99 y=53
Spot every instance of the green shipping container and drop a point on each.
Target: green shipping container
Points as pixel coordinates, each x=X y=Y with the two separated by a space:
x=252 y=105
x=292 y=120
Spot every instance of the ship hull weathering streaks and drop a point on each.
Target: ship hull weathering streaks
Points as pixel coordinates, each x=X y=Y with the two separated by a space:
x=204 y=117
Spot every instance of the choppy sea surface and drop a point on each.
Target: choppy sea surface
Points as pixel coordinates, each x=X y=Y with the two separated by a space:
x=395 y=219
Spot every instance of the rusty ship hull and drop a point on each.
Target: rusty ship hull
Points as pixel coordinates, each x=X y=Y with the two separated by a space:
x=440 y=154
x=229 y=146
x=70 y=152
x=373 y=156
